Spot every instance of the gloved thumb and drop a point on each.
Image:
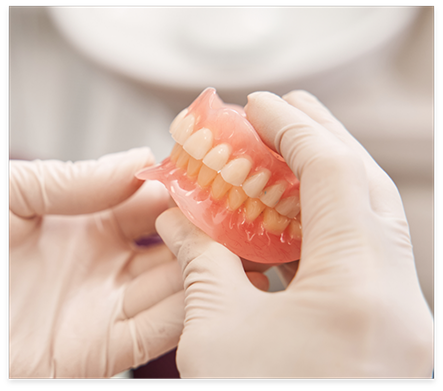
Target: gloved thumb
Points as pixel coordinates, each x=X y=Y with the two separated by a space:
x=211 y=273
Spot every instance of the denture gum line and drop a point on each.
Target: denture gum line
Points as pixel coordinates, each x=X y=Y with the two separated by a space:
x=229 y=184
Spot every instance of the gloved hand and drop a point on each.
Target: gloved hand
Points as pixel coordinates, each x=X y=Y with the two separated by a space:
x=84 y=301
x=354 y=307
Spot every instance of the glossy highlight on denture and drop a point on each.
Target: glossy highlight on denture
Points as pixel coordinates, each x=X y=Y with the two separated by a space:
x=230 y=184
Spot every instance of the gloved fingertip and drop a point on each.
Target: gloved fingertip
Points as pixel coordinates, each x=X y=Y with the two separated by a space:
x=261 y=94
x=198 y=255
x=169 y=224
x=166 y=217
x=299 y=95
x=127 y=163
x=260 y=111
x=143 y=154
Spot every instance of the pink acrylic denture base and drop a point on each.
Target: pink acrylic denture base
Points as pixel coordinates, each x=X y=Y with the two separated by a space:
x=249 y=240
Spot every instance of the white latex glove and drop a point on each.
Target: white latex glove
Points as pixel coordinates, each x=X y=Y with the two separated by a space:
x=84 y=301
x=354 y=307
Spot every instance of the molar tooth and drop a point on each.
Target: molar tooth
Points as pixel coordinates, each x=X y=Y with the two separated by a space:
x=236 y=198
x=274 y=222
x=175 y=153
x=253 y=208
x=174 y=124
x=183 y=159
x=193 y=167
x=236 y=171
x=183 y=129
x=206 y=176
x=271 y=195
x=219 y=187
x=289 y=206
x=254 y=185
x=295 y=230
x=218 y=156
x=199 y=143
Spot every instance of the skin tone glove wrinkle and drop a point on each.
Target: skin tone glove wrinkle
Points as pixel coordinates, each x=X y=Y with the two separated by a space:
x=85 y=302
x=353 y=305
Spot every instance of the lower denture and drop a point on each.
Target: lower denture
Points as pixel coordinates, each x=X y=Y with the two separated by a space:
x=217 y=152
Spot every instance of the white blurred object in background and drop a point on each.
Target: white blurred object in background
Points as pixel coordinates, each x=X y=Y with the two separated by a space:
x=229 y=48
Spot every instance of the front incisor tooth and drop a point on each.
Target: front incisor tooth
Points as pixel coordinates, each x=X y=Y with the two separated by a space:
x=253 y=208
x=194 y=166
x=254 y=185
x=271 y=195
x=206 y=176
x=236 y=171
x=289 y=207
x=236 y=198
x=218 y=156
x=183 y=129
x=274 y=222
x=199 y=143
x=174 y=124
x=219 y=187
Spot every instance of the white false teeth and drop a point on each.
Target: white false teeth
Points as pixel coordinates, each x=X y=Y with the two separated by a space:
x=177 y=120
x=236 y=171
x=183 y=129
x=218 y=156
x=272 y=194
x=289 y=207
x=199 y=143
x=254 y=185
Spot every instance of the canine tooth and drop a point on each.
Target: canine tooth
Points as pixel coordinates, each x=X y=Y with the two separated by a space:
x=219 y=187
x=199 y=143
x=236 y=171
x=206 y=176
x=274 y=222
x=218 y=156
x=271 y=195
x=174 y=124
x=289 y=207
x=295 y=230
x=175 y=153
x=183 y=159
x=193 y=167
x=236 y=197
x=183 y=129
x=253 y=208
x=254 y=185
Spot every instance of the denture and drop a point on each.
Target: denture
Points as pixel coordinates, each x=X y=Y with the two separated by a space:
x=230 y=184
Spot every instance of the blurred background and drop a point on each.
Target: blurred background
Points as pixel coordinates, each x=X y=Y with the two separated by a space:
x=89 y=81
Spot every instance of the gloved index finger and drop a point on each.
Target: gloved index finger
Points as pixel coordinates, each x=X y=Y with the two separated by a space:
x=329 y=171
x=384 y=196
x=334 y=193
x=56 y=187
